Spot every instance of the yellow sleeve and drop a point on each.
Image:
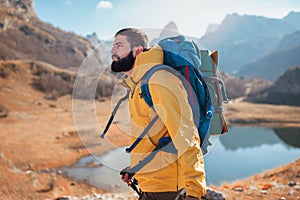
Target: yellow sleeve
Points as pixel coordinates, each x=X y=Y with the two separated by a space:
x=171 y=104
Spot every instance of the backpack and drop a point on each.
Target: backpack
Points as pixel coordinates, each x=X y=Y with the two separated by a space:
x=197 y=69
x=187 y=62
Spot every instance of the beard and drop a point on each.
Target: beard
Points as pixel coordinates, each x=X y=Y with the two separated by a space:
x=124 y=64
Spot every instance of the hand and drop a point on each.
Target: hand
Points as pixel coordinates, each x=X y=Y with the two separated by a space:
x=191 y=198
x=126 y=178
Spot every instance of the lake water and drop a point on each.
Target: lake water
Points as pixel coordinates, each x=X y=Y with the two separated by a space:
x=242 y=152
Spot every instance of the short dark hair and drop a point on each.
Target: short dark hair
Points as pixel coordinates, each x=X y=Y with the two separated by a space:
x=135 y=37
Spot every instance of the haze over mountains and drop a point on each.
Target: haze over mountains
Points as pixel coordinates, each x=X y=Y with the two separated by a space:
x=251 y=46
x=248 y=43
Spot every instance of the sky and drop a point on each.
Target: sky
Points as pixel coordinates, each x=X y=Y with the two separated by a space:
x=192 y=17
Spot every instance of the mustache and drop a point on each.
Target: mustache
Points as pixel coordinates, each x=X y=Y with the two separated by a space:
x=115 y=56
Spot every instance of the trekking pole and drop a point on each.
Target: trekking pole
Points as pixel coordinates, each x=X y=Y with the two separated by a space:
x=134 y=184
x=114 y=113
x=181 y=195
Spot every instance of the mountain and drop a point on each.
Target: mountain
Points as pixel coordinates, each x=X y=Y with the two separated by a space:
x=289 y=41
x=167 y=31
x=286 y=90
x=53 y=55
x=24 y=36
x=242 y=39
x=23 y=8
x=104 y=46
x=211 y=28
x=273 y=65
x=293 y=18
x=170 y=29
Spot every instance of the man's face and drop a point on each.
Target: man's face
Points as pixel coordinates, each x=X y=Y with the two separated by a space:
x=122 y=55
x=121 y=48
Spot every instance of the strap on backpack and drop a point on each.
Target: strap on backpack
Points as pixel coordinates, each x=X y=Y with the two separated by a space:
x=164 y=144
x=145 y=94
x=148 y=99
x=129 y=149
x=113 y=114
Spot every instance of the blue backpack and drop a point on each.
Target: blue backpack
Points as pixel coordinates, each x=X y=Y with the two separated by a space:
x=181 y=57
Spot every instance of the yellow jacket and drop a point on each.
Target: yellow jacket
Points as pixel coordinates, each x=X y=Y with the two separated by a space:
x=166 y=172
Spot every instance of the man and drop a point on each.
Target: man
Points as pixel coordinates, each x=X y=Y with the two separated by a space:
x=166 y=174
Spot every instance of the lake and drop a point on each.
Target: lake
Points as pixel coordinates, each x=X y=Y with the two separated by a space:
x=242 y=152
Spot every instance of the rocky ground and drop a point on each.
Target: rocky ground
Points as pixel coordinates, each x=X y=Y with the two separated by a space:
x=39 y=136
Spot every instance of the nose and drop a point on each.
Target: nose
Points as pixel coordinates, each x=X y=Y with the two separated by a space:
x=113 y=50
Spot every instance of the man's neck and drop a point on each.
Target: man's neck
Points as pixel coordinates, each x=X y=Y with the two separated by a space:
x=128 y=73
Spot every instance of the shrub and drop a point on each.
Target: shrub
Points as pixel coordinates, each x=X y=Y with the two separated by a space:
x=3 y=73
x=3 y=111
x=235 y=88
x=53 y=85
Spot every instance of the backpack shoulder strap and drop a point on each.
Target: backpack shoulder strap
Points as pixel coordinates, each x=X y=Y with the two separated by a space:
x=145 y=93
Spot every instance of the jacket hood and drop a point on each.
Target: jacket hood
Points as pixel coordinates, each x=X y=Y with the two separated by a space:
x=143 y=63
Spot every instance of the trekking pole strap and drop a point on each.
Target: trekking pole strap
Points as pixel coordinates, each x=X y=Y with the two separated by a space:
x=129 y=149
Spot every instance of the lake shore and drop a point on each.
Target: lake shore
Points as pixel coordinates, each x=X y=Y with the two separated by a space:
x=42 y=137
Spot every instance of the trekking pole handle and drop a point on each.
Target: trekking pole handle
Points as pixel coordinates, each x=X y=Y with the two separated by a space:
x=133 y=181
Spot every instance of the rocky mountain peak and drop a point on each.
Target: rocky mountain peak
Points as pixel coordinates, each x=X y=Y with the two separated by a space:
x=169 y=30
x=293 y=18
x=24 y=8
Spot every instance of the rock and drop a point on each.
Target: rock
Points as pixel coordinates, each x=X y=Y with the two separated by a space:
x=3 y=112
x=282 y=198
x=292 y=183
x=212 y=195
x=52 y=105
x=297 y=187
x=38 y=103
x=72 y=183
x=267 y=186
x=63 y=198
x=238 y=189
x=59 y=172
x=291 y=192
x=263 y=192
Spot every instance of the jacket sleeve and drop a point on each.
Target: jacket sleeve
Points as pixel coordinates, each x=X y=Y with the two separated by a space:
x=171 y=104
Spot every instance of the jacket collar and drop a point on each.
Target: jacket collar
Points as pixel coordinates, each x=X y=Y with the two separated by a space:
x=143 y=63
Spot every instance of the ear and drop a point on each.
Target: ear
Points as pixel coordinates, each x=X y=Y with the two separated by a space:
x=137 y=50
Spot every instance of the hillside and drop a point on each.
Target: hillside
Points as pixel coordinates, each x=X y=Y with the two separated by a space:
x=239 y=42
x=273 y=65
x=40 y=135
x=290 y=40
x=286 y=90
x=24 y=36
